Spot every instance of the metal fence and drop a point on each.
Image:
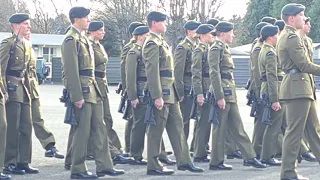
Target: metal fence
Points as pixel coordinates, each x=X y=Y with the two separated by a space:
x=241 y=73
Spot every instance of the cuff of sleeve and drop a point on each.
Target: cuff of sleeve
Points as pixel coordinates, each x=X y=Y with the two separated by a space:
x=76 y=97
x=218 y=95
x=156 y=95
x=273 y=99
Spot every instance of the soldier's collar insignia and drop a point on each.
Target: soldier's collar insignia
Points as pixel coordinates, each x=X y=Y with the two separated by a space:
x=69 y=38
x=220 y=43
x=4 y=41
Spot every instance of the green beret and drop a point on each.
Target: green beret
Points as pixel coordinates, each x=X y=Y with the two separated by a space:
x=204 y=29
x=224 y=26
x=213 y=21
x=134 y=25
x=19 y=17
x=292 y=9
x=156 y=16
x=307 y=20
x=141 y=30
x=191 y=25
x=95 y=25
x=78 y=12
x=269 y=30
x=268 y=19
x=280 y=24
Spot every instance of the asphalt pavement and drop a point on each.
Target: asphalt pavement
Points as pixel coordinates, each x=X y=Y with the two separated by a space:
x=53 y=169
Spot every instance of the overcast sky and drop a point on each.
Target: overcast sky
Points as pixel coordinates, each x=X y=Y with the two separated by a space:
x=229 y=8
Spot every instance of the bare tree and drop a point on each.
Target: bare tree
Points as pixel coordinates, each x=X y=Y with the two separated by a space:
x=202 y=10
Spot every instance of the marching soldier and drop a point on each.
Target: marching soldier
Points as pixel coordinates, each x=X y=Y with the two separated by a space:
x=259 y=128
x=223 y=88
x=45 y=137
x=79 y=80
x=182 y=71
x=14 y=59
x=271 y=76
x=135 y=83
x=297 y=90
x=159 y=70
x=125 y=50
x=200 y=86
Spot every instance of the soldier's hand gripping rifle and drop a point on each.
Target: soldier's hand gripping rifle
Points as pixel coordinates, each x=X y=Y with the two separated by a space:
x=149 y=117
x=266 y=118
x=127 y=107
x=213 y=116
x=122 y=103
x=193 y=113
x=70 y=117
x=253 y=102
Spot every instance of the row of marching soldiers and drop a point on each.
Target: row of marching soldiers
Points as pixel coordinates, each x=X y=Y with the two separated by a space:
x=198 y=78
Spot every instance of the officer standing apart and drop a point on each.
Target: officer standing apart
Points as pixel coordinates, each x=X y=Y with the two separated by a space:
x=182 y=71
x=200 y=85
x=297 y=90
x=223 y=87
x=135 y=82
x=271 y=76
x=14 y=59
x=45 y=137
x=159 y=68
x=79 y=80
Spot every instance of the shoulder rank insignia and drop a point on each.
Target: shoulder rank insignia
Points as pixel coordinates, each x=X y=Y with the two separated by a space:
x=214 y=48
x=125 y=48
x=292 y=36
x=4 y=41
x=150 y=43
x=69 y=38
x=132 y=52
x=196 y=51
x=179 y=47
x=270 y=53
x=257 y=49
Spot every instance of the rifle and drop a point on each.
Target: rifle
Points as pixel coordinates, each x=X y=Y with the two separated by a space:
x=266 y=118
x=193 y=113
x=149 y=117
x=122 y=105
x=70 y=117
x=253 y=102
x=213 y=116
x=126 y=112
x=248 y=84
x=119 y=88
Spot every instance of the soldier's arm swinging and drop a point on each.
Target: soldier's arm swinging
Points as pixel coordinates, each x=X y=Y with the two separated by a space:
x=131 y=72
x=180 y=56
x=4 y=59
x=272 y=79
x=196 y=70
x=215 y=76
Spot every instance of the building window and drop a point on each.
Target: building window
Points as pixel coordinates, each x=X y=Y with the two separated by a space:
x=49 y=53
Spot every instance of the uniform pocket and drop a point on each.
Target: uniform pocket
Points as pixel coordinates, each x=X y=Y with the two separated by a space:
x=301 y=84
x=12 y=87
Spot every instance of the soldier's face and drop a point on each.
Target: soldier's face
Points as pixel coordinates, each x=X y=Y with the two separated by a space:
x=274 y=39
x=307 y=28
x=209 y=38
x=28 y=36
x=24 y=28
x=99 y=34
x=143 y=37
x=83 y=22
x=160 y=26
x=299 y=20
x=229 y=36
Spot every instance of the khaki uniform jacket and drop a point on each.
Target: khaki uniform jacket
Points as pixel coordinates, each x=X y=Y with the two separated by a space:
x=16 y=87
x=136 y=72
x=270 y=70
x=221 y=64
x=254 y=57
x=292 y=55
x=100 y=60
x=158 y=60
x=200 y=70
x=78 y=55
x=182 y=66
x=32 y=73
x=124 y=53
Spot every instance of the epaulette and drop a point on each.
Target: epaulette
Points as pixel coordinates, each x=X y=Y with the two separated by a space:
x=131 y=52
x=179 y=47
x=292 y=36
x=150 y=43
x=214 y=48
x=270 y=53
x=69 y=38
x=125 y=48
x=257 y=49
x=4 y=41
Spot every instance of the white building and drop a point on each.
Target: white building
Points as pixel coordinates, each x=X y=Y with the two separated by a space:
x=46 y=46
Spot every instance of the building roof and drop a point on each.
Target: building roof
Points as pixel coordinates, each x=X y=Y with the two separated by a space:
x=40 y=39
